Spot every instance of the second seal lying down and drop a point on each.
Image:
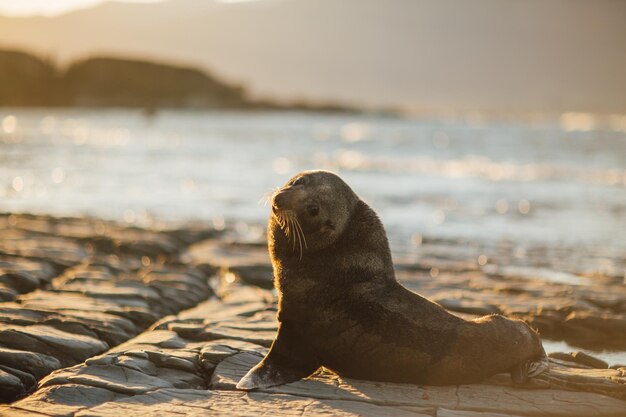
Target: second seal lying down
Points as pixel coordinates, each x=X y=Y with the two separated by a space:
x=340 y=306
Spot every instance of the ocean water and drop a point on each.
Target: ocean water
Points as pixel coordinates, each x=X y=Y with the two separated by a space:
x=555 y=189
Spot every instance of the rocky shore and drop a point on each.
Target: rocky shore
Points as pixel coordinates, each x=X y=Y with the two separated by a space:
x=98 y=319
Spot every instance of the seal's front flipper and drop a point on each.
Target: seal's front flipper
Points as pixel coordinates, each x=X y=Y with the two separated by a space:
x=532 y=368
x=268 y=374
x=289 y=359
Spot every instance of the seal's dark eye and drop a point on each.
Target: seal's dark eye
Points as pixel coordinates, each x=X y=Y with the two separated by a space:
x=312 y=210
x=298 y=181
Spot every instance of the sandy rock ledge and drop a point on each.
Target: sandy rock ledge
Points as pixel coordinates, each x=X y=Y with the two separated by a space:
x=112 y=321
x=189 y=364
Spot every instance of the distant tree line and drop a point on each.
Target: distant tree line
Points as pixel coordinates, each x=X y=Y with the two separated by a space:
x=27 y=80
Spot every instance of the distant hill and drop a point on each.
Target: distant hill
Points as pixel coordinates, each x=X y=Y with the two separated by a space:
x=131 y=83
x=494 y=55
x=26 y=80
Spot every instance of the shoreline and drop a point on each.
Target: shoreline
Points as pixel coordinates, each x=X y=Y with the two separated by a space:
x=119 y=316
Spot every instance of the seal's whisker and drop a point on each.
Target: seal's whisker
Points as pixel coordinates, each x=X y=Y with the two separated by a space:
x=284 y=223
x=289 y=228
x=300 y=236
x=279 y=219
x=294 y=232
x=288 y=222
x=298 y=233
x=292 y=222
x=301 y=233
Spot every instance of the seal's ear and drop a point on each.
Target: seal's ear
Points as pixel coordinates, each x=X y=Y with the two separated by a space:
x=289 y=359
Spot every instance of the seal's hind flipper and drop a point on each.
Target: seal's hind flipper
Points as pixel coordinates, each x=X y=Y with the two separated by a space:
x=531 y=368
x=539 y=366
x=290 y=358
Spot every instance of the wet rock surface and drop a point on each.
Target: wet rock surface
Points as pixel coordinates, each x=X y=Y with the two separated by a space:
x=148 y=332
x=71 y=298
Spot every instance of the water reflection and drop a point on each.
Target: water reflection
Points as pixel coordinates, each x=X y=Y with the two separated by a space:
x=612 y=357
x=561 y=182
x=9 y=124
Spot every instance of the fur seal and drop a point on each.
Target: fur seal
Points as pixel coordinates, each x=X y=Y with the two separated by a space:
x=340 y=306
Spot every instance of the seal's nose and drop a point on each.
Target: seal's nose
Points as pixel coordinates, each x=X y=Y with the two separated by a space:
x=281 y=199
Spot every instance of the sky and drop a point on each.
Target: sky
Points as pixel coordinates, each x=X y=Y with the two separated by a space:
x=56 y=7
x=47 y=7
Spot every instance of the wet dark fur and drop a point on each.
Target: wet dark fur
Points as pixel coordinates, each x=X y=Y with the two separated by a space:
x=341 y=307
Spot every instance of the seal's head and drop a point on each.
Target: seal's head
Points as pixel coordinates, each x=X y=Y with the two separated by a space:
x=313 y=209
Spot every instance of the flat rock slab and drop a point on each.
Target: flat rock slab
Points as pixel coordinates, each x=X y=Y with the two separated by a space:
x=72 y=288
x=38 y=364
x=486 y=398
x=228 y=254
x=69 y=348
x=187 y=402
x=113 y=319
x=195 y=403
x=21 y=275
x=60 y=400
x=178 y=367
x=58 y=251
x=107 y=236
x=80 y=317
x=247 y=262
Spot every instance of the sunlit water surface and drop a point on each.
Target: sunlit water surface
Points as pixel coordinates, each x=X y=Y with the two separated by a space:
x=447 y=179
x=524 y=185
